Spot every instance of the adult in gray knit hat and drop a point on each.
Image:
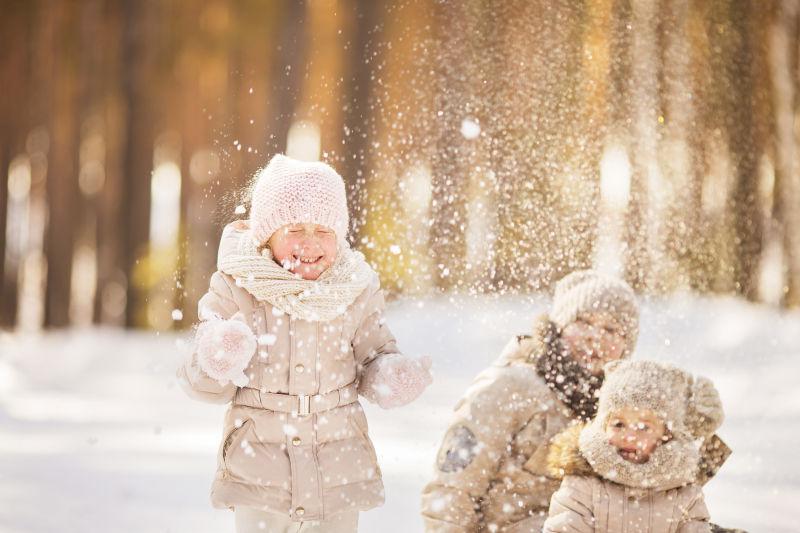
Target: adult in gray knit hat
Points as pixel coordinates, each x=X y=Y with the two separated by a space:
x=491 y=472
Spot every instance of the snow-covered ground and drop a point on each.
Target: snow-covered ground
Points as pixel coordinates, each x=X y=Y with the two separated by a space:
x=96 y=436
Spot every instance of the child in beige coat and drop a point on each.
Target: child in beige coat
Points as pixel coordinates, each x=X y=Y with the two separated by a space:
x=292 y=332
x=634 y=467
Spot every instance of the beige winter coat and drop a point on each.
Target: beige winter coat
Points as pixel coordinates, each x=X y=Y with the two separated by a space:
x=491 y=470
x=587 y=503
x=295 y=439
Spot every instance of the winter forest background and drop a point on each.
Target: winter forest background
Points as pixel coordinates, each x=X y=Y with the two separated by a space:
x=489 y=148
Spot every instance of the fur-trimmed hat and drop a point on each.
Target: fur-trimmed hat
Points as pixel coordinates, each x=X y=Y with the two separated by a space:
x=590 y=291
x=683 y=402
x=690 y=408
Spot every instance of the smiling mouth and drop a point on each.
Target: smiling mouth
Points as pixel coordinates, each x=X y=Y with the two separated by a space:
x=308 y=261
x=630 y=455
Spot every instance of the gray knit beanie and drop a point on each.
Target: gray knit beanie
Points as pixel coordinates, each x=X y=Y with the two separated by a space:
x=589 y=291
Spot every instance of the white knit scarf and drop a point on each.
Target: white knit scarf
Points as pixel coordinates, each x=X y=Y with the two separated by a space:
x=323 y=299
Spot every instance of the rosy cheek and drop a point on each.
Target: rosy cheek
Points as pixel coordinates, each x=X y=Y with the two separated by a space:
x=279 y=253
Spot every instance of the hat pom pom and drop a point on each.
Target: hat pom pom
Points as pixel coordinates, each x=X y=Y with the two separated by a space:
x=704 y=413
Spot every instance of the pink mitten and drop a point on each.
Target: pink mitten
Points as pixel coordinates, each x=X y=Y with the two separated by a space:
x=224 y=349
x=400 y=380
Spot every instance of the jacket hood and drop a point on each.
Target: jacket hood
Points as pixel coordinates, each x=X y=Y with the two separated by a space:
x=582 y=450
x=232 y=234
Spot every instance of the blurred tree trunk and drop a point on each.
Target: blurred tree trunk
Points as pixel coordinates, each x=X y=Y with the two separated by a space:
x=620 y=70
x=38 y=142
x=321 y=94
x=216 y=62
x=793 y=231
x=286 y=72
x=62 y=173
x=455 y=25
x=15 y=60
x=396 y=234
x=677 y=156
x=264 y=82
x=583 y=102
x=140 y=39
x=6 y=315
x=536 y=104
x=640 y=233
x=509 y=109
x=784 y=48
x=715 y=97
x=201 y=80
x=361 y=65
x=693 y=242
x=90 y=157
x=111 y=237
x=746 y=143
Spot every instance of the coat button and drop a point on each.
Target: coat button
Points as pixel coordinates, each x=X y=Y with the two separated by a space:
x=296 y=441
x=299 y=511
x=299 y=369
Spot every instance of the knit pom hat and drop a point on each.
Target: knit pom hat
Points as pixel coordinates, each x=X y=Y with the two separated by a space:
x=288 y=191
x=589 y=291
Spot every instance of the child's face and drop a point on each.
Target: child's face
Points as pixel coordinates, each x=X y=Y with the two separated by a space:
x=593 y=340
x=636 y=433
x=304 y=249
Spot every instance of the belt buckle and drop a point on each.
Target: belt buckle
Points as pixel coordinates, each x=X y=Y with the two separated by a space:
x=303 y=405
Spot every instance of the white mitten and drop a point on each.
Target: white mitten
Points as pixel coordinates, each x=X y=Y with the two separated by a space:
x=399 y=380
x=224 y=349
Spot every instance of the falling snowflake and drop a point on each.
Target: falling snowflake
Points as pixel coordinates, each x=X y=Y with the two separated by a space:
x=268 y=339
x=470 y=129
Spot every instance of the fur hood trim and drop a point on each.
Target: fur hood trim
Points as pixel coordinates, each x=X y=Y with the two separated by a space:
x=581 y=450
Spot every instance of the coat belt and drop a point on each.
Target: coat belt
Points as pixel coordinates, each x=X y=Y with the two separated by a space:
x=299 y=404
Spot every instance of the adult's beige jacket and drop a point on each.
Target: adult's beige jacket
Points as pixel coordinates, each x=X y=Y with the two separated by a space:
x=491 y=472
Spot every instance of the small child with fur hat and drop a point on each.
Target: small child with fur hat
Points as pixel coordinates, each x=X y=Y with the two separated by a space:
x=634 y=466
x=292 y=332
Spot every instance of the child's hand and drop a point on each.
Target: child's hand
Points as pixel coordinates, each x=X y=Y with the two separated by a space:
x=224 y=349
x=401 y=379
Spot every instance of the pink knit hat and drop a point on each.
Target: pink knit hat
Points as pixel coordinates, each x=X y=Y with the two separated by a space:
x=288 y=191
